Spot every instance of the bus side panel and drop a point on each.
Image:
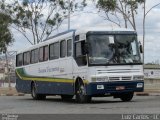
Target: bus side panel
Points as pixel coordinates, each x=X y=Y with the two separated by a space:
x=54 y=88
x=67 y=88
x=23 y=86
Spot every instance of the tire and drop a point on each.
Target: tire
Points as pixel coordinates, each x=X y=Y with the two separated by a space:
x=127 y=97
x=34 y=94
x=81 y=96
x=66 y=97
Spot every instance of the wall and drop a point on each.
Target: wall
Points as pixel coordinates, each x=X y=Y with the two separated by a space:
x=152 y=79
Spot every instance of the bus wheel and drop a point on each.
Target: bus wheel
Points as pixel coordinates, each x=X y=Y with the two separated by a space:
x=66 y=97
x=81 y=96
x=126 y=97
x=34 y=94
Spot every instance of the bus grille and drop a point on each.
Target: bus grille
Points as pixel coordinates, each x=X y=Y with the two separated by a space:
x=126 y=78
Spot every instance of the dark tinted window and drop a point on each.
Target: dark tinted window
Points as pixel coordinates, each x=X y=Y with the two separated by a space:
x=77 y=38
x=63 y=49
x=43 y=53
x=45 y=57
x=78 y=49
x=54 y=51
x=69 y=47
x=80 y=54
x=19 y=60
x=26 y=58
x=34 y=56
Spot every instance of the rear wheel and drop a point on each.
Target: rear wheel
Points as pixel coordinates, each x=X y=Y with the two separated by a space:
x=66 y=97
x=34 y=94
x=127 y=97
x=81 y=96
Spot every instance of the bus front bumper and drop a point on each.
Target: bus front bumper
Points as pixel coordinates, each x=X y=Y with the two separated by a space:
x=111 y=88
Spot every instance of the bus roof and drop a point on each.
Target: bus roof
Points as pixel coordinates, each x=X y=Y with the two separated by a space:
x=102 y=28
x=59 y=36
x=69 y=33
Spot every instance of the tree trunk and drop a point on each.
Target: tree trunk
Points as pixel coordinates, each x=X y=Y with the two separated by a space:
x=133 y=18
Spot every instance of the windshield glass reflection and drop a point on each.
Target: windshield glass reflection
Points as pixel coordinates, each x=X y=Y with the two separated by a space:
x=118 y=49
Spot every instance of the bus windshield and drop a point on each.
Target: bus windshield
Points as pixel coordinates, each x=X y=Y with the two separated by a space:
x=113 y=49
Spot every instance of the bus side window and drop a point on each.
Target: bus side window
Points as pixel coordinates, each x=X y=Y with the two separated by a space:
x=19 y=60
x=36 y=51
x=63 y=49
x=43 y=53
x=69 y=47
x=80 y=54
x=26 y=58
x=54 y=51
x=34 y=56
x=46 y=52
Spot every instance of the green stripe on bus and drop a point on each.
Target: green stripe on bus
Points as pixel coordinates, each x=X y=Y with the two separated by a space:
x=23 y=76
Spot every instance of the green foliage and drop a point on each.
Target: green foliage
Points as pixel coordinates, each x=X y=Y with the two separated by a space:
x=5 y=34
x=37 y=17
x=107 y=5
x=121 y=9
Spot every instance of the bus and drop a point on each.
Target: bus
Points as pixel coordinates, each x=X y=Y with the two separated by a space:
x=88 y=62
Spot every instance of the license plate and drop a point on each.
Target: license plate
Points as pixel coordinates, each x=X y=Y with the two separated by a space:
x=100 y=87
x=120 y=88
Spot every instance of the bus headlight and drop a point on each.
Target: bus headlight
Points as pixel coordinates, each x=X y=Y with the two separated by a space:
x=138 y=78
x=100 y=79
x=139 y=85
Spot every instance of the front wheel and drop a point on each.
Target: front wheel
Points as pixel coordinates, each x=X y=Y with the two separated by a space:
x=81 y=96
x=34 y=94
x=126 y=97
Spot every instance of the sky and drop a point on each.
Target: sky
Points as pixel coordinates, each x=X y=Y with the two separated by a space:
x=87 y=18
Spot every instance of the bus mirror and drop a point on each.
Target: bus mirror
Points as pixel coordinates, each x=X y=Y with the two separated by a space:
x=141 y=48
x=112 y=45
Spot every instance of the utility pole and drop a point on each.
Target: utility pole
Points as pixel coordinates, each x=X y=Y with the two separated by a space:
x=144 y=18
x=144 y=21
x=69 y=14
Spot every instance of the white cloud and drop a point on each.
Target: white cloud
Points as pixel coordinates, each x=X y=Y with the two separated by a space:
x=80 y=19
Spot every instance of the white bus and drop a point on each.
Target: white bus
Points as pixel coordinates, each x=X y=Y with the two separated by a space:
x=89 y=62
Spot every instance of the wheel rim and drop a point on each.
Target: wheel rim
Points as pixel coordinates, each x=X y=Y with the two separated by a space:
x=33 y=91
x=81 y=91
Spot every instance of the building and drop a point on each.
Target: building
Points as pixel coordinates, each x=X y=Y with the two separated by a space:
x=152 y=71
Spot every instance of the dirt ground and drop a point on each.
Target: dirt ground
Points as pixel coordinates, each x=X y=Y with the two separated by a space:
x=8 y=91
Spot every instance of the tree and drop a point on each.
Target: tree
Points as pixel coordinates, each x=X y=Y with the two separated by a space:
x=6 y=37
x=124 y=10
x=36 y=18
